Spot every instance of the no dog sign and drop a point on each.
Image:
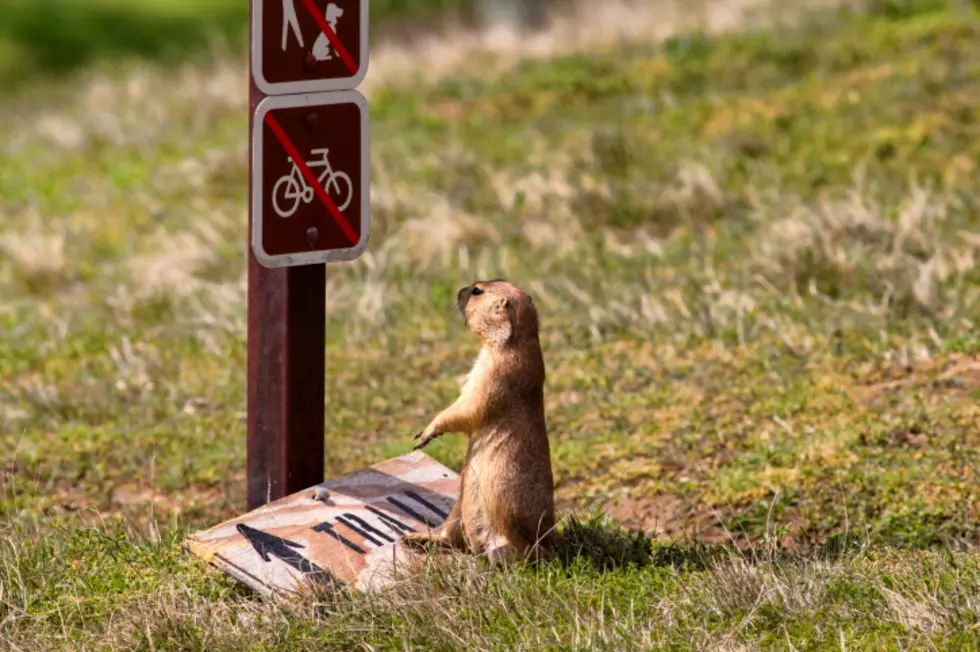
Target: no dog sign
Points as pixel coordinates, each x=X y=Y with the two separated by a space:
x=308 y=46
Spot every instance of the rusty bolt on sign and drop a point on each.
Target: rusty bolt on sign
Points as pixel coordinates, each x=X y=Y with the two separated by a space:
x=311 y=235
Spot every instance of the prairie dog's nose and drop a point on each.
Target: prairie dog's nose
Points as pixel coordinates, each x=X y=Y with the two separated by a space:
x=462 y=297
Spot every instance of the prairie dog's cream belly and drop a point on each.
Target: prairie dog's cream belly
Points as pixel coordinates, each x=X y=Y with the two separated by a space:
x=479 y=370
x=474 y=507
x=493 y=464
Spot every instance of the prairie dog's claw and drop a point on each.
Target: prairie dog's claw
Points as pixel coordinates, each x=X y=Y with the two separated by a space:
x=423 y=441
x=418 y=541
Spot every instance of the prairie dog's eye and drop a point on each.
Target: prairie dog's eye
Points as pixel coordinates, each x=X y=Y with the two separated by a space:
x=476 y=292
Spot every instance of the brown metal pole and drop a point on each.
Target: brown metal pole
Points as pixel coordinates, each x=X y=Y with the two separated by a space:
x=285 y=384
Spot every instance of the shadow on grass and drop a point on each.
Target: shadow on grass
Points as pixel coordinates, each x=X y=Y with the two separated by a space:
x=605 y=545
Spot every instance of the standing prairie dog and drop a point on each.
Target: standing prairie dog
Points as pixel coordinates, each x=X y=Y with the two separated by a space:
x=506 y=501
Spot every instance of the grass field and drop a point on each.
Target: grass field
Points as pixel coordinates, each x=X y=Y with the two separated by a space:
x=754 y=248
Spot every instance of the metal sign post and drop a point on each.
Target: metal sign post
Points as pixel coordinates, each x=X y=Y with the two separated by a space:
x=309 y=205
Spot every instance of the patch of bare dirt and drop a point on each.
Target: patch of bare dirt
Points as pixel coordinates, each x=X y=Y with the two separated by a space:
x=961 y=372
x=672 y=518
x=948 y=375
x=667 y=517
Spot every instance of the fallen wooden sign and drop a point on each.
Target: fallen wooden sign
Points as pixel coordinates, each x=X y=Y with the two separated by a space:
x=342 y=531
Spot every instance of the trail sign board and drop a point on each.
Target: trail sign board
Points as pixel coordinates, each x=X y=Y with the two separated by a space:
x=342 y=531
x=310 y=186
x=308 y=46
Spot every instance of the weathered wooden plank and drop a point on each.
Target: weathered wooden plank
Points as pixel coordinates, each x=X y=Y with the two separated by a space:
x=345 y=530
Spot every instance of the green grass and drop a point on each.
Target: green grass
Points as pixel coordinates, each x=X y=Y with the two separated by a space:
x=755 y=260
x=671 y=597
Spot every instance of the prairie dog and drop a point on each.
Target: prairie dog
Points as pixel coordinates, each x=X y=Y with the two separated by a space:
x=506 y=502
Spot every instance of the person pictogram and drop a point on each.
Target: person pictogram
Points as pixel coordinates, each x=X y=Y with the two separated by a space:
x=290 y=20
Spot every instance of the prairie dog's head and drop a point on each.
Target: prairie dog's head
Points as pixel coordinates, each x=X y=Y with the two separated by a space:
x=498 y=311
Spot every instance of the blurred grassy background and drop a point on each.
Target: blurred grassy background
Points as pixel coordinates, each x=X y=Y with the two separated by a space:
x=41 y=38
x=45 y=37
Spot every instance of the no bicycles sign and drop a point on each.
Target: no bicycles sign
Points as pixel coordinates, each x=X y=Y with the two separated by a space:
x=310 y=198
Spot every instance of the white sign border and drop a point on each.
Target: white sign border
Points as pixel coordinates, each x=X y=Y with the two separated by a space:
x=313 y=257
x=310 y=85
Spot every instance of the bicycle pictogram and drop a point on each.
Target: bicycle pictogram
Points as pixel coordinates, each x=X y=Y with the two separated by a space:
x=292 y=188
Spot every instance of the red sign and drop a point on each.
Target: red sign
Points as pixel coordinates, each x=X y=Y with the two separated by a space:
x=311 y=168
x=308 y=46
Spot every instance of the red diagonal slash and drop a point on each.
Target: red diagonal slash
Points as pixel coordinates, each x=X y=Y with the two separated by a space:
x=331 y=36
x=311 y=178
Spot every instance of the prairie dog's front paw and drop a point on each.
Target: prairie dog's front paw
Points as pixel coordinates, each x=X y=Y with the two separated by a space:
x=417 y=539
x=423 y=438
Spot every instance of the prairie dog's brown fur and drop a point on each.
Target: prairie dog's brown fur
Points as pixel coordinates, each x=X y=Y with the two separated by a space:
x=506 y=501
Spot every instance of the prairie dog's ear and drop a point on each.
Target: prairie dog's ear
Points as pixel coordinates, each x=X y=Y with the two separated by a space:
x=498 y=326
x=499 y=306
